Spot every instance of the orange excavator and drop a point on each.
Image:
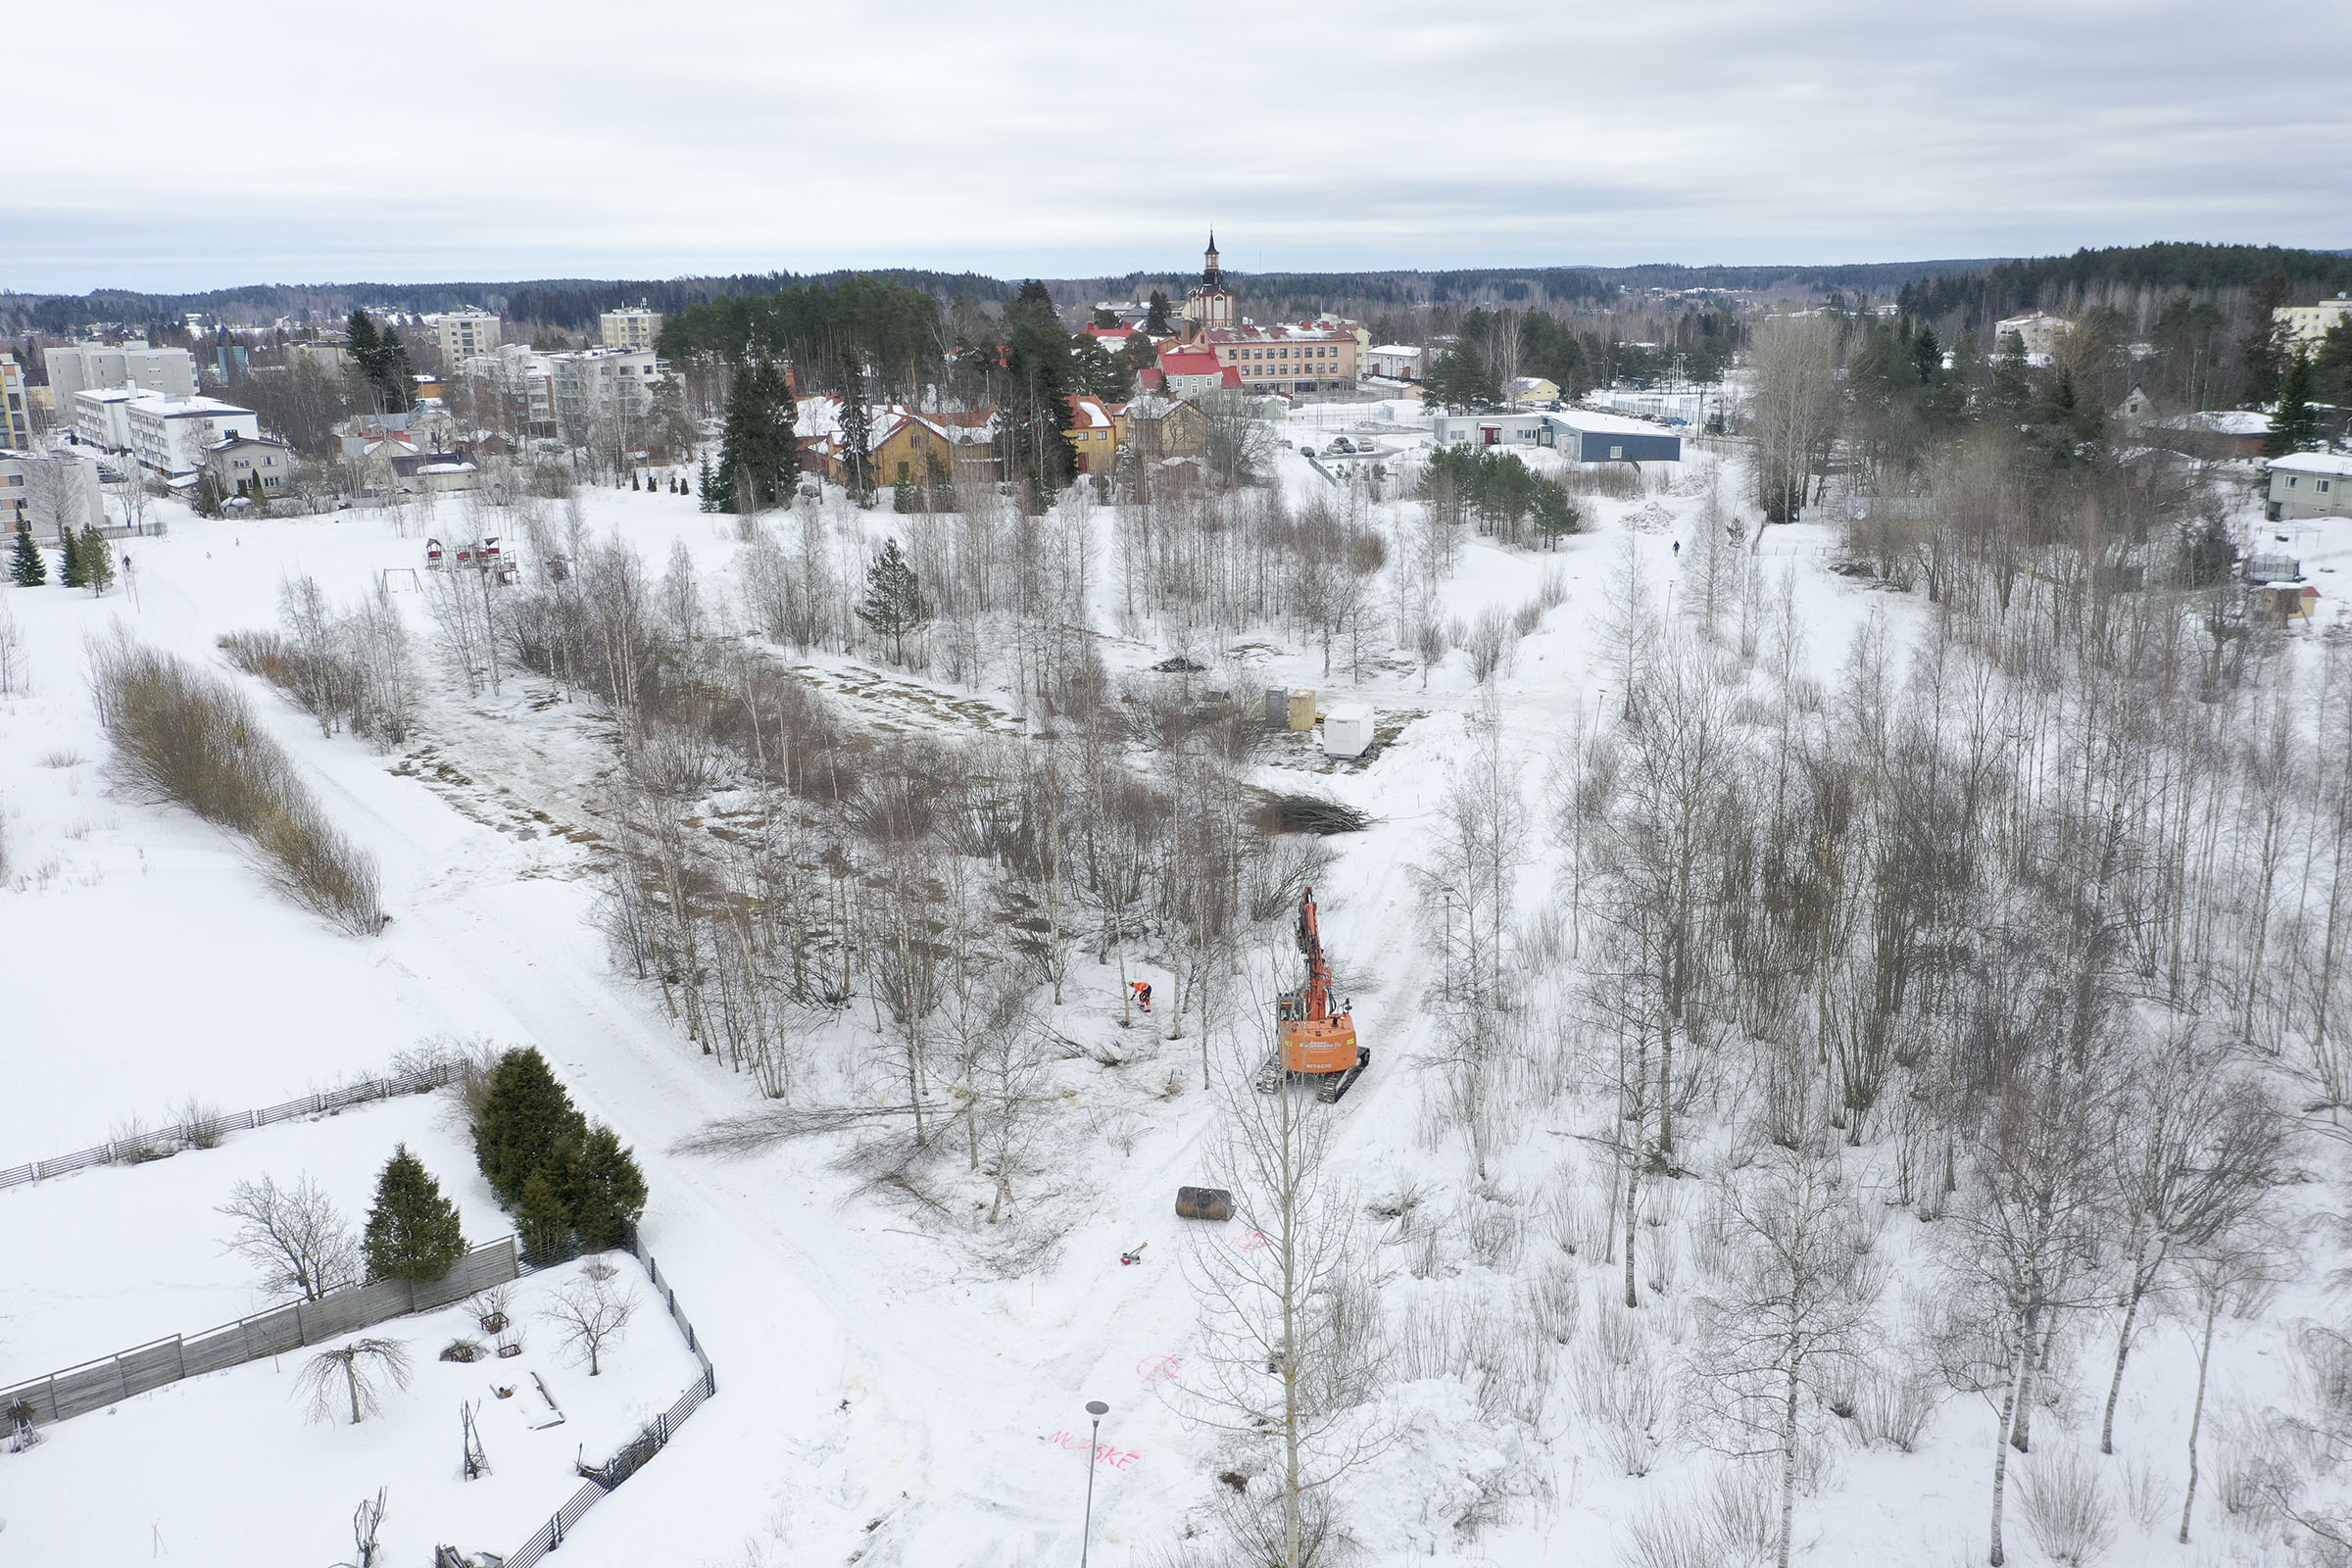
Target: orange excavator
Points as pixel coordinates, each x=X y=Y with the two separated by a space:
x=1314 y=1041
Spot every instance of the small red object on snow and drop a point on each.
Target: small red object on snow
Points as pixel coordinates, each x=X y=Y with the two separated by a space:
x=1136 y=1256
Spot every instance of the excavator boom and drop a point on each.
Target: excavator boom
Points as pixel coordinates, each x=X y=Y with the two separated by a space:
x=1315 y=1042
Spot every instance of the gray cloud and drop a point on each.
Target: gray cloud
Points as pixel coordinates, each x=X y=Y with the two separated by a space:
x=524 y=140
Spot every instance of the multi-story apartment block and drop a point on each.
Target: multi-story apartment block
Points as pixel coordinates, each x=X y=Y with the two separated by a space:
x=47 y=493
x=168 y=436
x=633 y=328
x=599 y=384
x=86 y=366
x=2303 y=325
x=16 y=411
x=463 y=334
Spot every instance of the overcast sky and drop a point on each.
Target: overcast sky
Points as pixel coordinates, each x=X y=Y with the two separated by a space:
x=171 y=146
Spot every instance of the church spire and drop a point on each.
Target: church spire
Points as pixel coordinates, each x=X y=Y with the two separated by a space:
x=1211 y=273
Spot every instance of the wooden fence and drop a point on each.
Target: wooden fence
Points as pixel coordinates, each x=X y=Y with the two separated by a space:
x=638 y=1450
x=95 y=1384
x=165 y=1141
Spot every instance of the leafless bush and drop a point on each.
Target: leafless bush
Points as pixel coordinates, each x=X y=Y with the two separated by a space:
x=1893 y=1409
x=1630 y=1404
x=63 y=757
x=11 y=652
x=2066 y=1505
x=136 y=1142
x=462 y=1349
x=1671 y=1535
x=1496 y=1228
x=200 y=1124
x=1744 y=1512
x=1486 y=642
x=2145 y=1494
x=1552 y=590
x=1527 y=617
x=1555 y=1301
x=188 y=737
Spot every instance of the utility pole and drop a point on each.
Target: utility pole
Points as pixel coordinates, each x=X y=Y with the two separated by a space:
x=1086 y=1539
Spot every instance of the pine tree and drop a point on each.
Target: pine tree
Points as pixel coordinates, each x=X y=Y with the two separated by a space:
x=893 y=606
x=28 y=567
x=2295 y=426
x=605 y=1192
x=69 y=573
x=413 y=1231
x=526 y=1118
x=1156 y=320
x=706 y=487
x=97 y=559
x=542 y=1222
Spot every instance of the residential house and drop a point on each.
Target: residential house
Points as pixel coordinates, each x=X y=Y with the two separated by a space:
x=1159 y=428
x=1096 y=431
x=632 y=331
x=167 y=434
x=424 y=428
x=901 y=443
x=2215 y=434
x=1191 y=372
x=1533 y=389
x=255 y=465
x=49 y=492
x=16 y=411
x=2309 y=484
x=325 y=356
x=1396 y=362
x=86 y=366
x=2303 y=325
x=2135 y=407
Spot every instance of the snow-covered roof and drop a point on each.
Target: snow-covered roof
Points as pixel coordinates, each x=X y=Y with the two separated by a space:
x=2327 y=463
x=446 y=468
x=1281 y=332
x=1399 y=351
x=1603 y=423
x=1093 y=414
x=2222 y=422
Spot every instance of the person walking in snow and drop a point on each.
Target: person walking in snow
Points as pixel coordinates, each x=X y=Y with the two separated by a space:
x=1142 y=993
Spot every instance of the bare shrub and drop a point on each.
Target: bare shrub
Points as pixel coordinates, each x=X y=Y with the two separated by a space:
x=1527 y=617
x=1671 y=1535
x=1744 y=1512
x=1555 y=1299
x=1486 y=642
x=1894 y=1411
x=136 y=1142
x=1497 y=1229
x=462 y=1349
x=200 y=1124
x=2066 y=1505
x=64 y=756
x=186 y=737
x=11 y=652
x=1630 y=1404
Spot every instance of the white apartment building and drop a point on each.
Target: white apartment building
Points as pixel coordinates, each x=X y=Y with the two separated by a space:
x=16 y=415
x=2305 y=325
x=463 y=334
x=47 y=492
x=2038 y=330
x=326 y=356
x=168 y=436
x=604 y=384
x=86 y=366
x=633 y=328
x=522 y=380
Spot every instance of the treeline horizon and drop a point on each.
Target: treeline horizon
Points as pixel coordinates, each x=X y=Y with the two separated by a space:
x=1984 y=288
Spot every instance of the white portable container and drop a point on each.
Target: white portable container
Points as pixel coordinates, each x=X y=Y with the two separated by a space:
x=1348 y=731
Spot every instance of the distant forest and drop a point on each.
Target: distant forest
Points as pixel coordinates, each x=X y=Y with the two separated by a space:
x=1959 y=295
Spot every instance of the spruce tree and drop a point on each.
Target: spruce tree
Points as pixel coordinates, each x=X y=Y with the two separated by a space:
x=97 y=559
x=542 y=1220
x=706 y=487
x=1037 y=353
x=857 y=430
x=893 y=606
x=68 y=571
x=27 y=566
x=527 y=1119
x=605 y=1192
x=2295 y=426
x=756 y=444
x=1156 y=320
x=413 y=1231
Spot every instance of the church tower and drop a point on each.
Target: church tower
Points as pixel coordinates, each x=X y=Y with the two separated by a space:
x=1211 y=304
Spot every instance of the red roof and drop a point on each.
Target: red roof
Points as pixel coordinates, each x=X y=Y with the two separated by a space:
x=1188 y=362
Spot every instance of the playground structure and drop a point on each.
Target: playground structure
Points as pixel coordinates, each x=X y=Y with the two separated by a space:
x=482 y=556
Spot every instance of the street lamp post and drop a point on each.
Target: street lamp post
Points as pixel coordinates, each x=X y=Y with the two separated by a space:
x=1086 y=1539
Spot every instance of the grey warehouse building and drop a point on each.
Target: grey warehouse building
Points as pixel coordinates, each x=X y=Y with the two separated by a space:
x=1576 y=434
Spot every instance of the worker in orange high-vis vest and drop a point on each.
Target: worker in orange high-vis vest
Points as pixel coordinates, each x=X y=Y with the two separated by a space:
x=1142 y=993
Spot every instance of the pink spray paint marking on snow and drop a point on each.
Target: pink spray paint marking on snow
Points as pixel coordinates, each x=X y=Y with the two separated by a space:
x=1250 y=1243
x=1104 y=1453
x=1158 y=1368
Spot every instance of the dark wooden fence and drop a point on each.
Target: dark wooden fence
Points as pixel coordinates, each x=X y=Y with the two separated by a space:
x=95 y=1384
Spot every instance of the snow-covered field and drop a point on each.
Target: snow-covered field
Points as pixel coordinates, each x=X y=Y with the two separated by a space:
x=883 y=1397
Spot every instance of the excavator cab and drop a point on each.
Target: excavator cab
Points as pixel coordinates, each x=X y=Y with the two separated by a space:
x=1313 y=1040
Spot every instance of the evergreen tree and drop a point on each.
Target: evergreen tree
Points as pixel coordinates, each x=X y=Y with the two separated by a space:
x=856 y=431
x=526 y=1118
x=906 y=497
x=413 y=1231
x=542 y=1221
x=605 y=1192
x=756 y=445
x=69 y=574
x=2295 y=427
x=1038 y=359
x=1156 y=320
x=2331 y=367
x=893 y=606
x=706 y=487
x=383 y=361
x=27 y=567
x=97 y=559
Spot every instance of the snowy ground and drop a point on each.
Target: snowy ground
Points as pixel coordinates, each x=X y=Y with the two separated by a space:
x=881 y=1399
